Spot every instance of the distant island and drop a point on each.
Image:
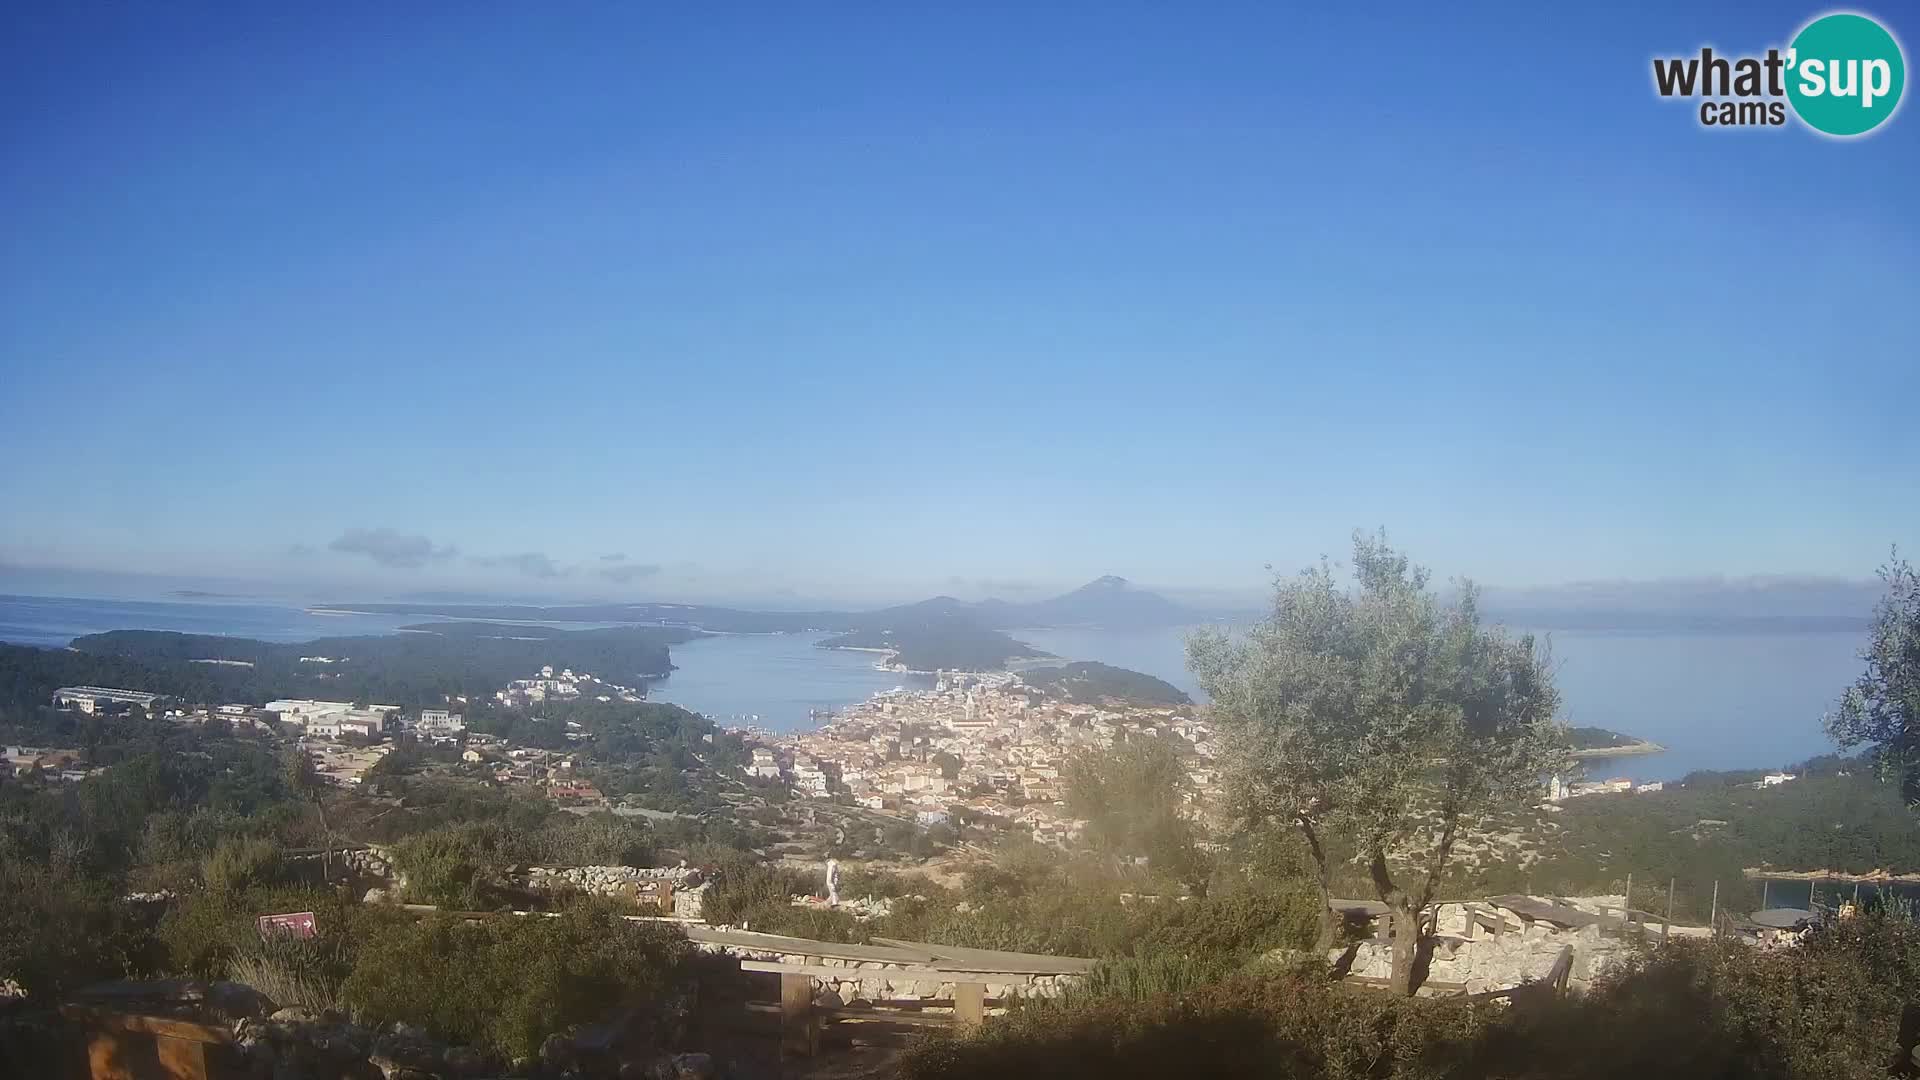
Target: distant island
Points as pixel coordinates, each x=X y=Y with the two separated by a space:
x=1091 y=683
x=1600 y=742
x=953 y=644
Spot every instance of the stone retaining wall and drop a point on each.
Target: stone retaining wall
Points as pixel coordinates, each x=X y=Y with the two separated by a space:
x=882 y=980
x=688 y=890
x=1489 y=961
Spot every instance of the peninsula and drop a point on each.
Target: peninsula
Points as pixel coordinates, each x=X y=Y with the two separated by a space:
x=1595 y=742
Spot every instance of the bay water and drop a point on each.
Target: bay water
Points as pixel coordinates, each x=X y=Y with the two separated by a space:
x=1715 y=700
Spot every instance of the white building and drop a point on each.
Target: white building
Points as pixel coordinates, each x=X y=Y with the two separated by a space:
x=304 y=711
x=440 y=724
x=89 y=698
x=808 y=777
x=764 y=765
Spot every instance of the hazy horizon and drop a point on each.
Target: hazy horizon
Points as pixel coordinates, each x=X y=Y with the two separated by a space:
x=802 y=306
x=1757 y=596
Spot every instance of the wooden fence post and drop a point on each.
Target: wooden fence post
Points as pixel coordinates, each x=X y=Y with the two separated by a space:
x=796 y=1014
x=969 y=1005
x=1666 y=924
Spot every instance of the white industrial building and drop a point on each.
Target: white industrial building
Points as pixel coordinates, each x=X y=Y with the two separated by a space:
x=89 y=698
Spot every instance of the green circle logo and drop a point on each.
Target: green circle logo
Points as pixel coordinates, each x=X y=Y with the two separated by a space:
x=1845 y=74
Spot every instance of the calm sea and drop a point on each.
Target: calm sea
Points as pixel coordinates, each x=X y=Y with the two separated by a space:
x=56 y=620
x=1716 y=700
x=774 y=681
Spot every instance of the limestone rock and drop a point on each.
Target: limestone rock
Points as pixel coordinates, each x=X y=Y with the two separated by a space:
x=557 y=1051
x=397 y=1053
x=694 y=1067
x=463 y=1061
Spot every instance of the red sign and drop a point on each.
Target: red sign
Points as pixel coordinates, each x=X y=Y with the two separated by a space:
x=298 y=924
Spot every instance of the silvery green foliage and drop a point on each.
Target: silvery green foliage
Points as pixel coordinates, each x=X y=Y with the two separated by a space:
x=1379 y=714
x=1881 y=709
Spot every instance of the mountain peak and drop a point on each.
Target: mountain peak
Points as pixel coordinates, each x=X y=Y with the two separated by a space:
x=1105 y=601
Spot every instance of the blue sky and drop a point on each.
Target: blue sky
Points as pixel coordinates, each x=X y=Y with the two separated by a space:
x=868 y=303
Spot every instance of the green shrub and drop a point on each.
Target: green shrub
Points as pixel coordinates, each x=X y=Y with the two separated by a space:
x=505 y=982
x=202 y=934
x=859 y=881
x=1028 y=904
x=736 y=895
x=1829 y=1010
x=1137 y=978
x=243 y=863
x=818 y=924
x=594 y=840
x=1716 y=1009
x=1241 y=1027
x=455 y=866
x=1246 y=919
x=291 y=971
x=60 y=930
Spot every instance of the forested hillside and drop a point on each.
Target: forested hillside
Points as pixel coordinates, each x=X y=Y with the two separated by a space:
x=421 y=666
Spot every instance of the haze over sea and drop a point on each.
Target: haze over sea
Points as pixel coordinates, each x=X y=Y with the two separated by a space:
x=1716 y=700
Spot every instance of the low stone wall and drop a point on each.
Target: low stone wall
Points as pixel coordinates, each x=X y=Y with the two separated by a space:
x=608 y=880
x=1488 y=961
x=688 y=889
x=883 y=980
x=369 y=862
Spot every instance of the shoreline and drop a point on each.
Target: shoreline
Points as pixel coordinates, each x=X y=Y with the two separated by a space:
x=1633 y=749
x=1758 y=873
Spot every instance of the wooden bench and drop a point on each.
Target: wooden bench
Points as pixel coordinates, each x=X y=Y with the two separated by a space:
x=131 y=1046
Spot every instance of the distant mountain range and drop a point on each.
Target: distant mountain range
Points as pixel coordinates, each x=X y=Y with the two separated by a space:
x=941 y=632
x=1107 y=602
x=947 y=632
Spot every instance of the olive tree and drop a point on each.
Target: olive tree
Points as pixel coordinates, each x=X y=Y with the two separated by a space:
x=1881 y=709
x=1383 y=718
x=1132 y=796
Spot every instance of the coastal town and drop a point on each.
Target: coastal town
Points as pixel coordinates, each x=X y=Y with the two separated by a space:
x=987 y=744
x=983 y=744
